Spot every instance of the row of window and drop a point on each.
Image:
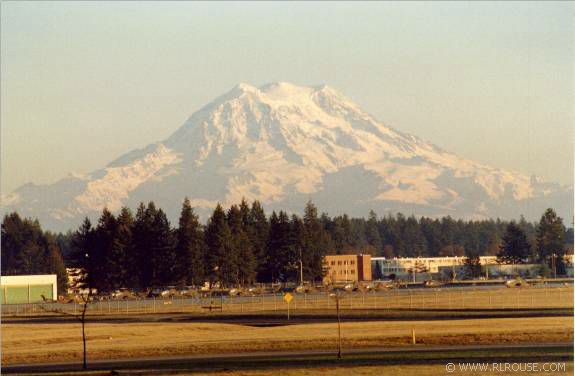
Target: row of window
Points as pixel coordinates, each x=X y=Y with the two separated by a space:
x=343 y=272
x=343 y=263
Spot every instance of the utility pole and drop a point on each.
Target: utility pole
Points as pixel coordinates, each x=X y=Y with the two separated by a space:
x=337 y=296
x=338 y=327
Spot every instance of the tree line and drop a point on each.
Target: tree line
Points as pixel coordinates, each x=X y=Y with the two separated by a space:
x=242 y=245
x=26 y=249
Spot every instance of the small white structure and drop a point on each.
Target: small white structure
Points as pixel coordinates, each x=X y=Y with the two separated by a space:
x=16 y=289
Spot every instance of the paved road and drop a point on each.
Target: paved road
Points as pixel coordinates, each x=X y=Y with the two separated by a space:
x=220 y=361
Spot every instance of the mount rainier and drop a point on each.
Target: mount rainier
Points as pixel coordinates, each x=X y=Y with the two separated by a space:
x=284 y=144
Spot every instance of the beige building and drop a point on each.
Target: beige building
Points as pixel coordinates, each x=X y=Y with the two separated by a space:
x=347 y=268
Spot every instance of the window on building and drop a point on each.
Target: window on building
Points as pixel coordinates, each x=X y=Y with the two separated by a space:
x=339 y=262
x=333 y=263
x=352 y=271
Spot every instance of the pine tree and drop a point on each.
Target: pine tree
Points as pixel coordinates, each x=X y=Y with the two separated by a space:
x=13 y=240
x=190 y=247
x=220 y=258
x=514 y=248
x=316 y=244
x=258 y=232
x=550 y=236
x=122 y=258
x=242 y=248
x=26 y=249
x=104 y=277
x=372 y=233
x=55 y=263
x=142 y=239
x=163 y=252
x=296 y=243
x=414 y=241
x=83 y=243
x=473 y=265
x=278 y=247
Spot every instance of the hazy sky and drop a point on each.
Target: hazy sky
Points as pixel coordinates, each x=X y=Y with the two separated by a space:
x=84 y=82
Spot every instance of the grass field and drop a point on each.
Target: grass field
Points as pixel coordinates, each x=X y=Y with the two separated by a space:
x=397 y=370
x=51 y=342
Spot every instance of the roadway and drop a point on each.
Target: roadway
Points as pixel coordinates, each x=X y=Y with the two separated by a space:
x=281 y=359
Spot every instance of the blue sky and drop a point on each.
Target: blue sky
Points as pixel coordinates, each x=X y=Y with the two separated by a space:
x=84 y=82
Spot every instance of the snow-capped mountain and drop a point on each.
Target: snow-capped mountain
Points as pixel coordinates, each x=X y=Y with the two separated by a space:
x=283 y=145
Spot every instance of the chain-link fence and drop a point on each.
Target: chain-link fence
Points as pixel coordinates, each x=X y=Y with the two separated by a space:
x=393 y=299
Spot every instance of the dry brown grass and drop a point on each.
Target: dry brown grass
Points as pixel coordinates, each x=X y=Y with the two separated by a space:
x=396 y=370
x=29 y=343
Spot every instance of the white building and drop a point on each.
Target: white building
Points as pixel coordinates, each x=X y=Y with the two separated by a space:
x=428 y=264
x=421 y=268
x=16 y=289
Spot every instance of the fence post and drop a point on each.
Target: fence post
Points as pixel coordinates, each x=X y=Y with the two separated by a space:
x=275 y=304
x=410 y=301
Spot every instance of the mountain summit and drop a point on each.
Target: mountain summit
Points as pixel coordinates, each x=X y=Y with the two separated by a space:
x=284 y=144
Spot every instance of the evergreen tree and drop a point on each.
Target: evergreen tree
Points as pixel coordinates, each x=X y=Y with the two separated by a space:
x=316 y=244
x=473 y=266
x=220 y=258
x=83 y=243
x=101 y=254
x=414 y=241
x=26 y=249
x=163 y=252
x=190 y=247
x=550 y=236
x=279 y=266
x=372 y=233
x=295 y=253
x=142 y=239
x=122 y=257
x=242 y=248
x=514 y=248
x=258 y=232
x=55 y=263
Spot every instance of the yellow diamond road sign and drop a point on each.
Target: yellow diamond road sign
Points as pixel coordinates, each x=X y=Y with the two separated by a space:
x=288 y=297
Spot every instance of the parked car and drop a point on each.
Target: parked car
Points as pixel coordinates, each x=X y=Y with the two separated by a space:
x=123 y=294
x=517 y=282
